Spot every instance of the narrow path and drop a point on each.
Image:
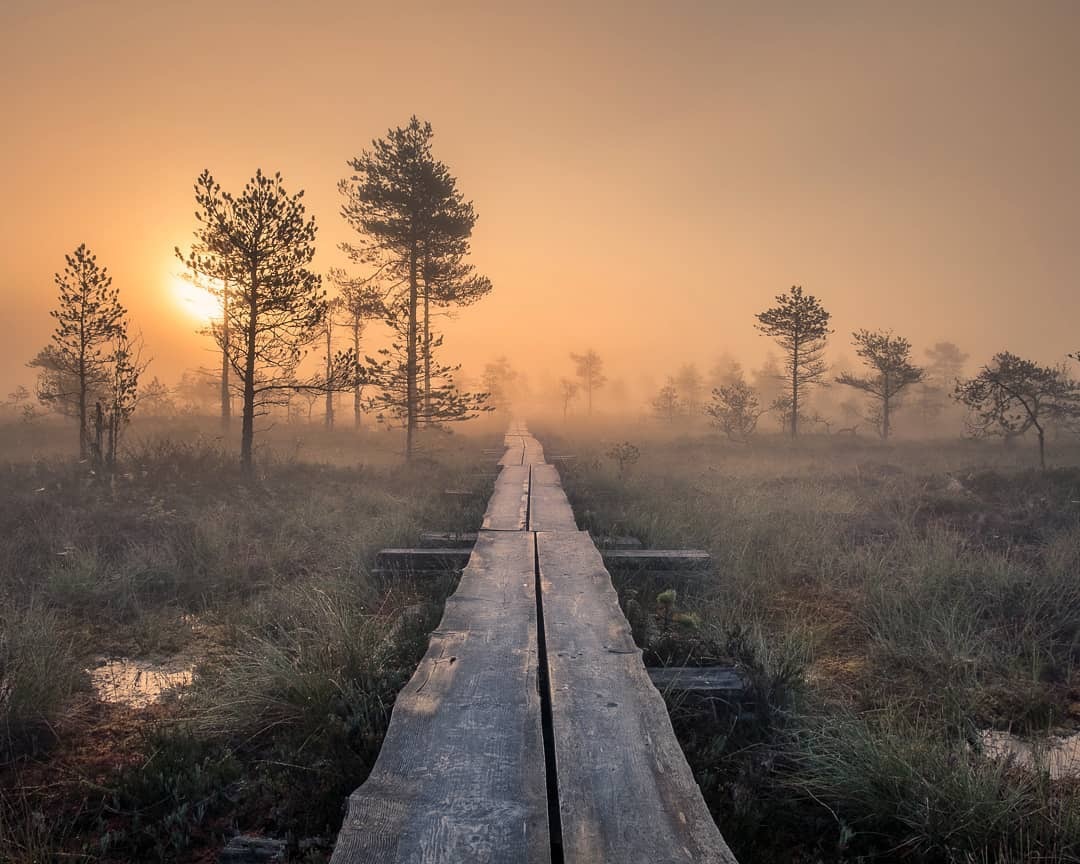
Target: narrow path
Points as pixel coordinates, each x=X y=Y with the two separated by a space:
x=530 y=732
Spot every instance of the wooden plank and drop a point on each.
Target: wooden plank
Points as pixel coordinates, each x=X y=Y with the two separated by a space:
x=658 y=559
x=533 y=452
x=445 y=558
x=513 y=456
x=549 y=508
x=458 y=539
x=509 y=503
x=699 y=681
x=619 y=541
x=460 y=776
x=626 y=793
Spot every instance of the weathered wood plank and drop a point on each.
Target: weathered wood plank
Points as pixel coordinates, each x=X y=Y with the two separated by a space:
x=509 y=503
x=549 y=508
x=514 y=456
x=458 y=539
x=699 y=681
x=460 y=776
x=626 y=793
x=449 y=551
x=658 y=559
x=619 y=541
x=445 y=558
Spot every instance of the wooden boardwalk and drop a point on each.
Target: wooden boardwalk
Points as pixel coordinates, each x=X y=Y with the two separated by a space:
x=530 y=732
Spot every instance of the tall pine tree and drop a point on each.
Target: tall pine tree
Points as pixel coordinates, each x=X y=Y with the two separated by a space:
x=414 y=226
x=277 y=304
x=800 y=325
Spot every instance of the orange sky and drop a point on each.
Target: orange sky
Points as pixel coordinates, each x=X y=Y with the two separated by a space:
x=648 y=175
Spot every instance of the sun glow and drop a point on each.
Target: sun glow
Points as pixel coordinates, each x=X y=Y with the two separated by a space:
x=199 y=303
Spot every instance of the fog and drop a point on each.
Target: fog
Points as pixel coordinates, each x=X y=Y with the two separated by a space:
x=647 y=176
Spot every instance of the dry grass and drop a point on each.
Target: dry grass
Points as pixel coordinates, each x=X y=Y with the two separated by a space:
x=923 y=591
x=264 y=585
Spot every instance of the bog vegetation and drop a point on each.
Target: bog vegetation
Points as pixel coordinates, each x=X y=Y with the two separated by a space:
x=898 y=590
x=292 y=649
x=907 y=618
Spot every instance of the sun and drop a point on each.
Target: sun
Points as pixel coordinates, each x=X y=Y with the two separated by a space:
x=199 y=303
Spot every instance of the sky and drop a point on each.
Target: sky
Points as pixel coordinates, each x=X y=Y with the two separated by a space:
x=648 y=175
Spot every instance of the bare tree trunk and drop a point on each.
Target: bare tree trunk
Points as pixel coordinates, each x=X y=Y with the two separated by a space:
x=410 y=362
x=84 y=432
x=99 y=436
x=795 y=391
x=357 y=413
x=885 y=406
x=226 y=397
x=329 y=418
x=427 y=355
x=1042 y=447
x=247 y=429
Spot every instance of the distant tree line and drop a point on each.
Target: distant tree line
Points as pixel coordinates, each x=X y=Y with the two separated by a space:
x=1008 y=397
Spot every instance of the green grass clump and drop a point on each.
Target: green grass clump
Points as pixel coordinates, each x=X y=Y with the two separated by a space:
x=917 y=789
x=39 y=673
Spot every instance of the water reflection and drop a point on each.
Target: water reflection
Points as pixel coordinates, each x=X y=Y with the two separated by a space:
x=1057 y=754
x=138 y=683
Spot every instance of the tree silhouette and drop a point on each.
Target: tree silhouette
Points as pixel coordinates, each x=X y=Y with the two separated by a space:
x=278 y=304
x=113 y=412
x=800 y=326
x=666 y=405
x=447 y=281
x=735 y=409
x=415 y=227
x=333 y=307
x=499 y=379
x=567 y=391
x=944 y=366
x=156 y=399
x=689 y=384
x=362 y=300
x=889 y=359
x=390 y=373
x=78 y=367
x=1011 y=395
x=590 y=369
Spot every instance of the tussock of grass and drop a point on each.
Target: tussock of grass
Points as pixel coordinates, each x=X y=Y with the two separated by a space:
x=915 y=789
x=39 y=672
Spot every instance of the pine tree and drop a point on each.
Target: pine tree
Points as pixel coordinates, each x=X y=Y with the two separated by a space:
x=277 y=304
x=362 y=300
x=390 y=375
x=1011 y=395
x=889 y=359
x=735 y=409
x=590 y=369
x=666 y=405
x=567 y=391
x=415 y=227
x=800 y=326
x=77 y=368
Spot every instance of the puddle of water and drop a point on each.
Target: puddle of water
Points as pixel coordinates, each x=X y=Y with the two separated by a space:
x=1058 y=754
x=138 y=683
